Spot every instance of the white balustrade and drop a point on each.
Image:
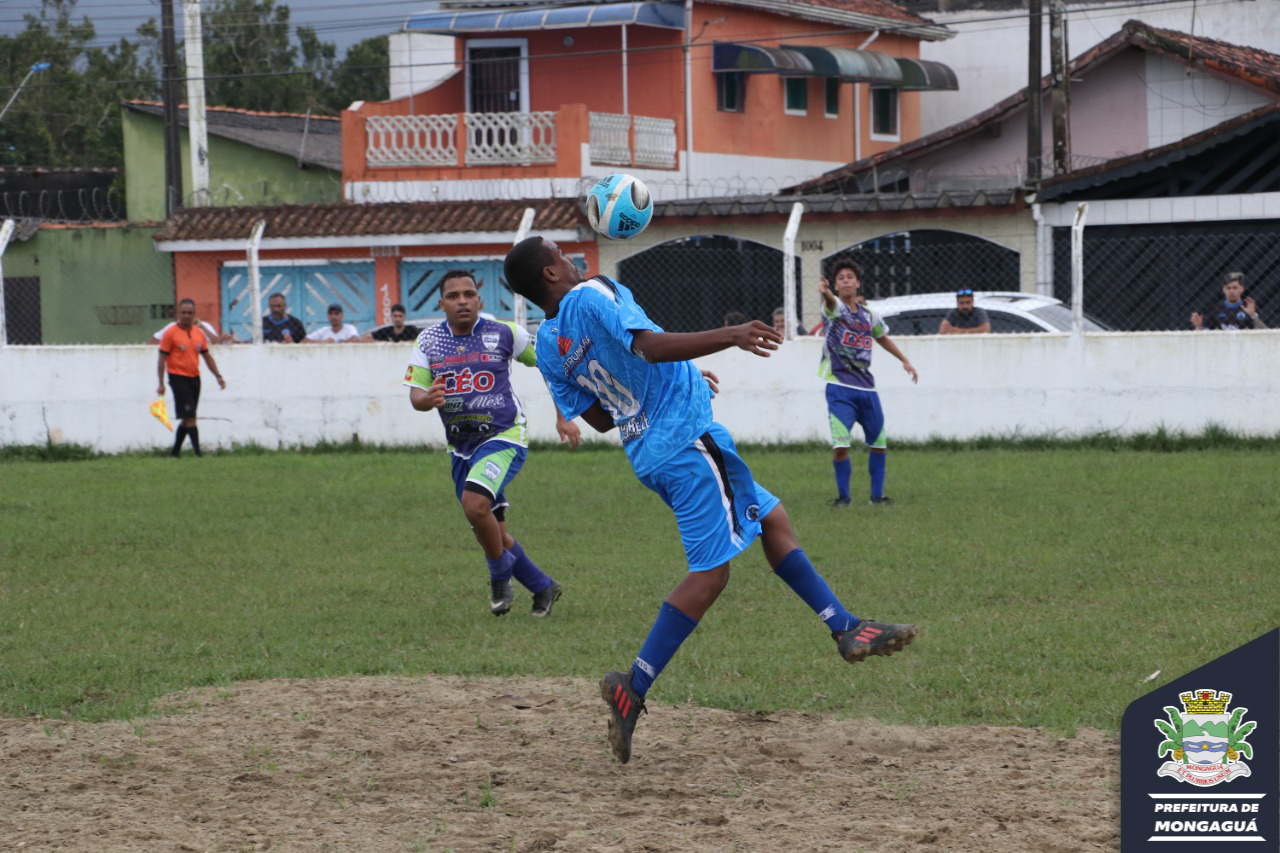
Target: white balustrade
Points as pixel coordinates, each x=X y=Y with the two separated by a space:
x=655 y=142
x=413 y=140
x=610 y=138
x=510 y=138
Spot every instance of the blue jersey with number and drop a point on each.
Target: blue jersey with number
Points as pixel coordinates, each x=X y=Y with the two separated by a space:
x=585 y=355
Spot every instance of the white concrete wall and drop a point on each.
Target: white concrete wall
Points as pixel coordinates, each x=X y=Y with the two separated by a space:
x=1000 y=385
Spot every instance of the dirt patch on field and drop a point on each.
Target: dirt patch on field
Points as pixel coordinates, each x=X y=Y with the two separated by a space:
x=436 y=764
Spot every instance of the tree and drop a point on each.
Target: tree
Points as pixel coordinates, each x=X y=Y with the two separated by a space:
x=68 y=115
x=363 y=74
x=251 y=62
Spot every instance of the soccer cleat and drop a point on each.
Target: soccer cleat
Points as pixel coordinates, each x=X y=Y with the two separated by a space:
x=624 y=710
x=542 y=601
x=873 y=638
x=883 y=500
x=500 y=597
x=839 y=502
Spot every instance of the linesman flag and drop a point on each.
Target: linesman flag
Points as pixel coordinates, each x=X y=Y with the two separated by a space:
x=161 y=413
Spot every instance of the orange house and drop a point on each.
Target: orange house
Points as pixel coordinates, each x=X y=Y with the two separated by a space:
x=698 y=98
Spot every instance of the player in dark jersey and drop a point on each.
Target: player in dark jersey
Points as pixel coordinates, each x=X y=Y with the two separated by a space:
x=1233 y=311
x=461 y=368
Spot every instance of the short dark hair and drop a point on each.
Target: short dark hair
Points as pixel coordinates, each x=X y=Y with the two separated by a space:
x=1233 y=276
x=524 y=265
x=459 y=273
x=274 y=295
x=846 y=264
x=190 y=302
x=397 y=307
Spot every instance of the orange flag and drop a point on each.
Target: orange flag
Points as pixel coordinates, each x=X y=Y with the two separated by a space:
x=161 y=413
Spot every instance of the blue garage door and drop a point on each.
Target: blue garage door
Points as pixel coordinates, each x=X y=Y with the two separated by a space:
x=309 y=288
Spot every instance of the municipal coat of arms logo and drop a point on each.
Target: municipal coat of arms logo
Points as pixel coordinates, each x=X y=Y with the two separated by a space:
x=1204 y=742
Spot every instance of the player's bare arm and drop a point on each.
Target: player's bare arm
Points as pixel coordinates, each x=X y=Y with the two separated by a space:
x=893 y=350
x=213 y=366
x=160 y=370
x=754 y=337
x=828 y=297
x=597 y=418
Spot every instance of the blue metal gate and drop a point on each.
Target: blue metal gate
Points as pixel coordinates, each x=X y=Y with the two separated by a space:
x=308 y=288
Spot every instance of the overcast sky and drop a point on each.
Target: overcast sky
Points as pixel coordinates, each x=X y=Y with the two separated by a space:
x=343 y=22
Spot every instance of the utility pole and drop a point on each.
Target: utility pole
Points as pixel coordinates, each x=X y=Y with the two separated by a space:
x=172 y=140
x=1061 y=86
x=1035 y=61
x=197 y=125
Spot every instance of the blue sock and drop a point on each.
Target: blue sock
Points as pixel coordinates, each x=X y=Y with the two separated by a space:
x=500 y=569
x=526 y=571
x=669 y=630
x=875 y=467
x=804 y=579
x=844 y=470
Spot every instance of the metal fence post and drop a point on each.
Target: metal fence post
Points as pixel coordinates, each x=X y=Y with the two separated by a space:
x=6 y=231
x=520 y=307
x=789 y=270
x=255 y=284
x=1077 y=269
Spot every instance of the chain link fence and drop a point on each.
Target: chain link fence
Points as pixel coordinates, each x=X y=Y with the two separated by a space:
x=108 y=285
x=1152 y=277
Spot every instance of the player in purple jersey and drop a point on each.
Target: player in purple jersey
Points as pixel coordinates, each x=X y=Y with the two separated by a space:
x=606 y=361
x=850 y=329
x=461 y=368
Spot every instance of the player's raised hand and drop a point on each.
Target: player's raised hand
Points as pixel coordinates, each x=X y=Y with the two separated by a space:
x=824 y=287
x=1250 y=306
x=755 y=337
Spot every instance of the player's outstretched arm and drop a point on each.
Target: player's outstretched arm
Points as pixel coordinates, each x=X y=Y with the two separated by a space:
x=597 y=418
x=888 y=344
x=754 y=337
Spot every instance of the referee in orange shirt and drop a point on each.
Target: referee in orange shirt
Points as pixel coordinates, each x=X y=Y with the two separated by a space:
x=180 y=349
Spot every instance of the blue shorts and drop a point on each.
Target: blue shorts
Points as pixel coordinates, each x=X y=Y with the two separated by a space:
x=718 y=505
x=847 y=406
x=490 y=469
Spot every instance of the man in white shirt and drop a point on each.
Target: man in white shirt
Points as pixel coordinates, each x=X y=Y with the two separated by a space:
x=337 y=331
x=209 y=329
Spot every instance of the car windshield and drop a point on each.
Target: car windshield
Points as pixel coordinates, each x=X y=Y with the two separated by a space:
x=1059 y=316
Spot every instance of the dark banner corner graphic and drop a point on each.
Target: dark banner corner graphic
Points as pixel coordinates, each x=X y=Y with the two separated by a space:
x=1200 y=758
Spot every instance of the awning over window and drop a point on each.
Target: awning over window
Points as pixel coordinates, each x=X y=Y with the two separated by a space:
x=665 y=15
x=843 y=63
x=754 y=59
x=921 y=74
x=852 y=66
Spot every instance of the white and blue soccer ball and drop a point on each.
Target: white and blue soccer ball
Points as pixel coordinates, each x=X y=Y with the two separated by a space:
x=619 y=207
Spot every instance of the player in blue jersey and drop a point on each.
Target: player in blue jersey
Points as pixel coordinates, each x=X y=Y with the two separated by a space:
x=606 y=361
x=850 y=328
x=462 y=368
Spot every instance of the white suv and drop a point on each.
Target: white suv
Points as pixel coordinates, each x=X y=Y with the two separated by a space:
x=1009 y=311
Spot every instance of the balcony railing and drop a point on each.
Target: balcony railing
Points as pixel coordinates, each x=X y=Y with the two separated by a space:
x=508 y=139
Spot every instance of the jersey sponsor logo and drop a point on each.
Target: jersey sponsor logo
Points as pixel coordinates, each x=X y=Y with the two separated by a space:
x=633 y=428
x=856 y=339
x=466 y=381
x=564 y=345
x=408 y=373
x=486 y=401
x=453 y=404
x=578 y=355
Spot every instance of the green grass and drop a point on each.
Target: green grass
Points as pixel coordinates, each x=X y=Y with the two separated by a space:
x=1050 y=582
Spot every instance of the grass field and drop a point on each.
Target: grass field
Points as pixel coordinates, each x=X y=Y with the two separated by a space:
x=1049 y=582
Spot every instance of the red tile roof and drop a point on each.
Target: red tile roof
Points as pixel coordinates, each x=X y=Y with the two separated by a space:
x=871 y=13
x=369 y=220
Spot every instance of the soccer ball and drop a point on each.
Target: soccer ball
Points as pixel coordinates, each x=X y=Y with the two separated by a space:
x=619 y=207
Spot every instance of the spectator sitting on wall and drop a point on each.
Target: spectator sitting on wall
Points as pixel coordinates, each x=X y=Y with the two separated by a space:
x=280 y=326
x=337 y=331
x=397 y=331
x=965 y=318
x=1233 y=311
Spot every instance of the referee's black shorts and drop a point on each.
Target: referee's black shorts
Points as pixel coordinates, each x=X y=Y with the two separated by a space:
x=186 y=395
